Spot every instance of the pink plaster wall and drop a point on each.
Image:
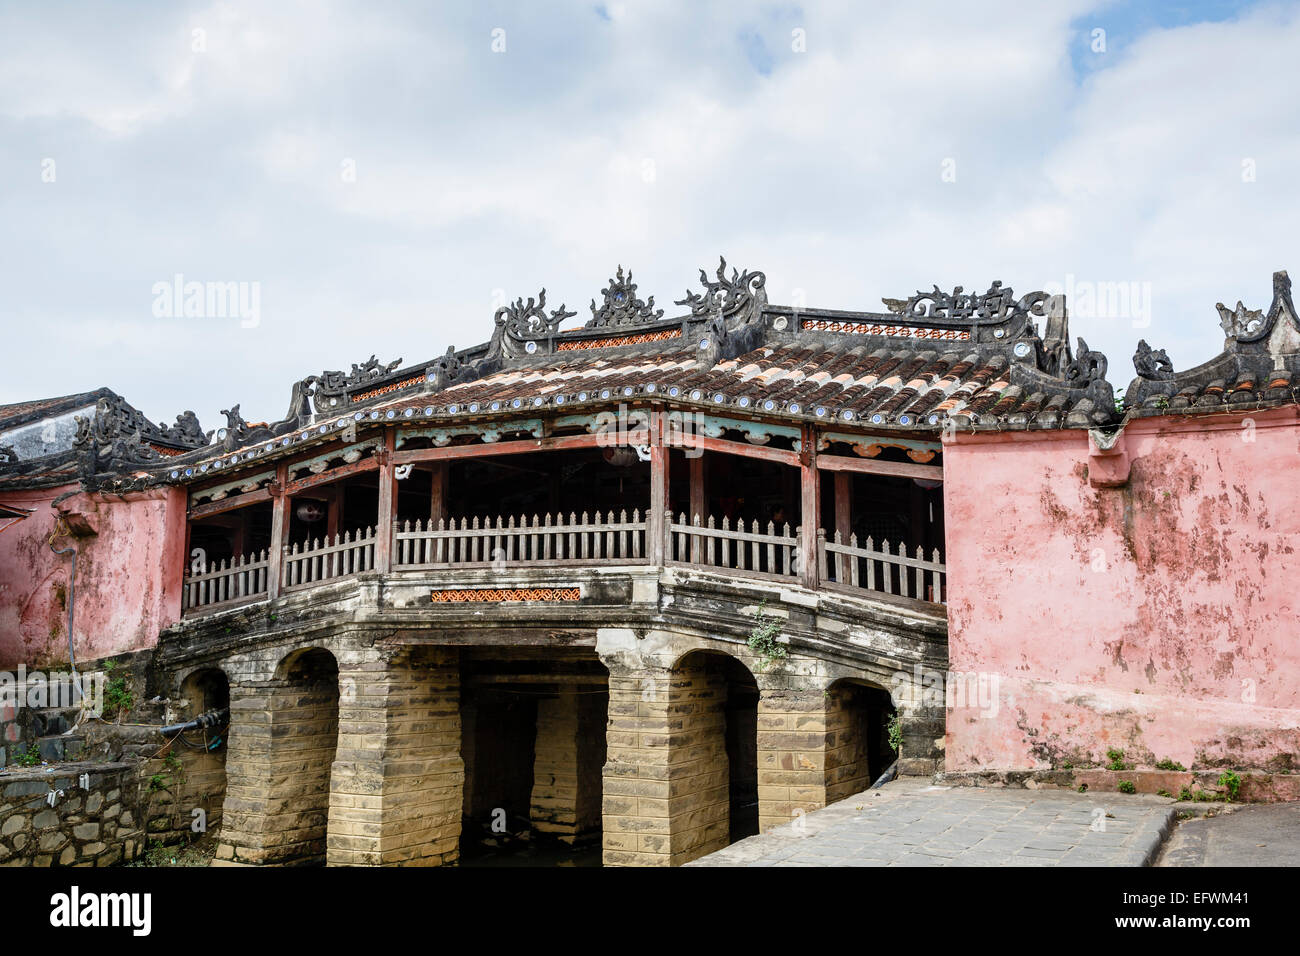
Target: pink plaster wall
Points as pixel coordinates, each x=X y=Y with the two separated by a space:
x=1159 y=618
x=128 y=575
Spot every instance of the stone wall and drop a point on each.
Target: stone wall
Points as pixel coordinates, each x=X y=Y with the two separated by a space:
x=847 y=724
x=96 y=825
x=698 y=772
x=397 y=785
x=282 y=740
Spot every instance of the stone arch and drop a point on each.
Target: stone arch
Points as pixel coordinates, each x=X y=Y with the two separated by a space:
x=202 y=690
x=858 y=751
x=202 y=752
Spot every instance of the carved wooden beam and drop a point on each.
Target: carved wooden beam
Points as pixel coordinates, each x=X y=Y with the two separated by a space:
x=744 y=449
x=229 y=504
x=334 y=474
x=866 y=466
x=453 y=452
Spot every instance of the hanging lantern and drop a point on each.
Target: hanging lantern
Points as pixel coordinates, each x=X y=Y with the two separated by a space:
x=620 y=457
x=310 y=511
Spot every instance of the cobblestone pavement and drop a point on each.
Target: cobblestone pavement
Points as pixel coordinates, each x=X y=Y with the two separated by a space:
x=911 y=823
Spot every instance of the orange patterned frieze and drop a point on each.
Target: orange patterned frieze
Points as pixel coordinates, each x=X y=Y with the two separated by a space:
x=497 y=595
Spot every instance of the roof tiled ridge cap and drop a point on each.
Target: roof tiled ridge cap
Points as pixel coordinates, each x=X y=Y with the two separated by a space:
x=1231 y=378
x=18 y=414
x=1260 y=353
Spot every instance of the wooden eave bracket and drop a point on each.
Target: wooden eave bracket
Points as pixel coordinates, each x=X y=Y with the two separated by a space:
x=1108 y=460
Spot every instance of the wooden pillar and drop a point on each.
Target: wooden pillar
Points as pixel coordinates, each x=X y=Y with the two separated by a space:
x=438 y=494
x=332 y=495
x=387 y=507
x=279 y=529
x=809 y=507
x=699 y=503
x=843 y=517
x=843 y=504
x=916 y=498
x=656 y=527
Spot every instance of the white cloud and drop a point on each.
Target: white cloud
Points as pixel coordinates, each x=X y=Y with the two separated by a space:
x=648 y=138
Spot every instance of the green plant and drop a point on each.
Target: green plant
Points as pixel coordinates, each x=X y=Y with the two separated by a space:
x=763 y=639
x=1184 y=794
x=1083 y=788
x=159 y=782
x=188 y=854
x=29 y=757
x=1119 y=401
x=1164 y=793
x=895 y=732
x=1127 y=786
x=1116 y=758
x=1168 y=764
x=1230 y=780
x=117 y=696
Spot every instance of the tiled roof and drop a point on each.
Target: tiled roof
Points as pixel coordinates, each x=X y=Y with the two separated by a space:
x=21 y=413
x=937 y=360
x=898 y=384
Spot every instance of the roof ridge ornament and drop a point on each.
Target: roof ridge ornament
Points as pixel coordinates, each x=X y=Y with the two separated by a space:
x=124 y=433
x=333 y=384
x=444 y=369
x=724 y=296
x=1088 y=367
x=1152 y=364
x=1240 y=322
x=995 y=305
x=622 y=307
x=520 y=323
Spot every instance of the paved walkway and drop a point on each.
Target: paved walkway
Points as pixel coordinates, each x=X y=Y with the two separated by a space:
x=1267 y=835
x=912 y=823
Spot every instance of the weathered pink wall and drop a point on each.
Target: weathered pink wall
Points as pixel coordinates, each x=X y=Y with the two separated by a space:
x=128 y=575
x=1161 y=618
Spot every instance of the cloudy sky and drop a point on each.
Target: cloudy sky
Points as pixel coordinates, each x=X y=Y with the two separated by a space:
x=381 y=175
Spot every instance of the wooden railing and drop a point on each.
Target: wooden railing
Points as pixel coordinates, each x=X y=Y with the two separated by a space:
x=884 y=569
x=765 y=552
x=748 y=549
x=226 y=583
x=319 y=560
x=506 y=542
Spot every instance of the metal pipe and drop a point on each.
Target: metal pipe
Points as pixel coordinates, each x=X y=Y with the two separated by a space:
x=72 y=596
x=212 y=718
x=885 y=777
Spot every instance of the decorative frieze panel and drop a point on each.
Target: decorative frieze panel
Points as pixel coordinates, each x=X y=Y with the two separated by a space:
x=579 y=345
x=502 y=595
x=895 y=331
